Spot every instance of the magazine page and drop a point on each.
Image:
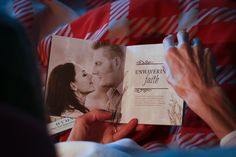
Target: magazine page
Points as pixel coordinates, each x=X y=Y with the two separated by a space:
x=82 y=76
x=147 y=95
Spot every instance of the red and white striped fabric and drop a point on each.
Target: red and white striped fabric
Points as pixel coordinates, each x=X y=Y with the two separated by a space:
x=92 y=4
x=45 y=44
x=129 y=22
x=24 y=12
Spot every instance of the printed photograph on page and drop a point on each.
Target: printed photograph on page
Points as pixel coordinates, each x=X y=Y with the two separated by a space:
x=83 y=76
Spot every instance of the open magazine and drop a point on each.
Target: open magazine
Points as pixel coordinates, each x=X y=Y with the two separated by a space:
x=129 y=82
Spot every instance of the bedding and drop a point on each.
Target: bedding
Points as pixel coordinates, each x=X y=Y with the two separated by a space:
x=134 y=22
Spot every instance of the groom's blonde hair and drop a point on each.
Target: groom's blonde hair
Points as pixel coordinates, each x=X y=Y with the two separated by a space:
x=116 y=50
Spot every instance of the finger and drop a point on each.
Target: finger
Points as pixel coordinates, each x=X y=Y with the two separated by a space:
x=198 y=52
x=168 y=42
x=205 y=66
x=141 y=135
x=96 y=115
x=174 y=69
x=166 y=69
x=109 y=135
x=171 y=51
x=140 y=127
x=126 y=130
x=210 y=66
x=183 y=46
x=182 y=38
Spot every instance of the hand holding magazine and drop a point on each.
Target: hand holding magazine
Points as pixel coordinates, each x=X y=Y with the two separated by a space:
x=127 y=81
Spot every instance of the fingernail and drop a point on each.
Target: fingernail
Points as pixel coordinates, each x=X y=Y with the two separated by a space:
x=168 y=42
x=182 y=38
x=196 y=41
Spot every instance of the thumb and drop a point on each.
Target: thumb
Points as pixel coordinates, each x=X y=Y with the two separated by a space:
x=96 y=115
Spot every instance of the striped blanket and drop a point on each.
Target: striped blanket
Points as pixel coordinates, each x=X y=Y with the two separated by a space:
x=132 y=22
